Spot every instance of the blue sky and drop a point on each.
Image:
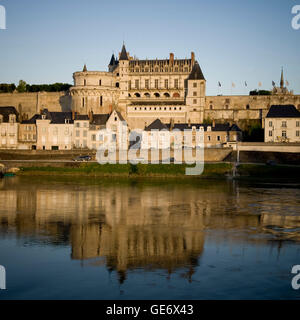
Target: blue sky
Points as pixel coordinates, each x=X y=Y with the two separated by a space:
x=234 y=41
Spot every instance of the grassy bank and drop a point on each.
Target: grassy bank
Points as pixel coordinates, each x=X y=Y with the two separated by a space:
x=220 y=170
x=127 y=170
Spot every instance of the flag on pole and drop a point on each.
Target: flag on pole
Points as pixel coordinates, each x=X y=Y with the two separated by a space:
x=259 y=84
x=233 y=85
x=273 y=83
x=287 y=83
x=219 y=84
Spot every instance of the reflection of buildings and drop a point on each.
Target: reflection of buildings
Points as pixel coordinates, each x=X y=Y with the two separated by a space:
x=132 y=225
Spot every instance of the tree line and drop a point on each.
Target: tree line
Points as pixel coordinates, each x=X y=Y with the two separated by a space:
x=25 y=87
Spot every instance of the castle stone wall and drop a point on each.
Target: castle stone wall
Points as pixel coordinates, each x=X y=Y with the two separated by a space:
x=31 y=103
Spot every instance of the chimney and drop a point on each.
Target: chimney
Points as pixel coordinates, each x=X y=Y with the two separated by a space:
x=193 y=57
x=171 y=58
x=214 y=123
x=171 y=124
x=189 y=123
x=73 y=115
x=91 y=116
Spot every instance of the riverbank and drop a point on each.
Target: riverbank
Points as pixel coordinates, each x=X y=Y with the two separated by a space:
x=211 y=170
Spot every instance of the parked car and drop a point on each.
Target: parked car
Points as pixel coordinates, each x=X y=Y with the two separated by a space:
x=82 y=158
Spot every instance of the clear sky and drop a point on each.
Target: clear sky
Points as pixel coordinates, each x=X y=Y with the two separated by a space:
x=234 y=41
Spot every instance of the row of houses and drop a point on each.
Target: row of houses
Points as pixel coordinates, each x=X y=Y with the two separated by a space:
x=70 y=130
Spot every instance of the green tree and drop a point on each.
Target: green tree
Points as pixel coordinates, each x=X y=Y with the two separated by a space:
x=22 y=86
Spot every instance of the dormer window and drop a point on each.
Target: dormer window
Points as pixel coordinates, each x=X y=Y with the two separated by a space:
x=12 y=118
x=43 y=117
x=67 y=121
x=209 y=128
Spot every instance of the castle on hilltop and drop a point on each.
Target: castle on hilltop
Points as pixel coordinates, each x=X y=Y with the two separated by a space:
x=172 y=90
x=143 y=90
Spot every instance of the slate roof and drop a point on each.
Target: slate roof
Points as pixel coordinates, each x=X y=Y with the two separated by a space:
x=57 y=117
x=123 y=55
x=81 y=117
x=156 y=125
x=112 y=60
x=113 y=63
x=196 y=73
x=186 y=126
x=234 y=127
x=6 y=111
x=120 y=115
x=100 y=119
x=283 y=111
x=177 y=62
x=219 y=127
x=31 y=120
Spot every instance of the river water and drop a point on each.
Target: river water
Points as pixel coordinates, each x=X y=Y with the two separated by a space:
x=63 y=238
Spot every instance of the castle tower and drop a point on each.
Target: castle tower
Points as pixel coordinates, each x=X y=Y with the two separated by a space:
x=195 y=95
x=124 y=77
x=112 y=64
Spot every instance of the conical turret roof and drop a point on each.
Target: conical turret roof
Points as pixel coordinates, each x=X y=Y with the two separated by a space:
x=196 y=73
x=112 y=60
x=123 y=55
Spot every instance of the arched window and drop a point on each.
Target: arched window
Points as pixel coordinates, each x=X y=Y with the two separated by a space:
x=247 y=107
x=84 y=82
x=147 y=95
x=101 y=101
x=211 y=107
x=156 y=94
x=167 y=95
x=117 y=85
x=137 y=95
x=176 y=95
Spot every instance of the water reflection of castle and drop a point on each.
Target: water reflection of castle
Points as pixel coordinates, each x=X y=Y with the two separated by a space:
x=131 y=226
